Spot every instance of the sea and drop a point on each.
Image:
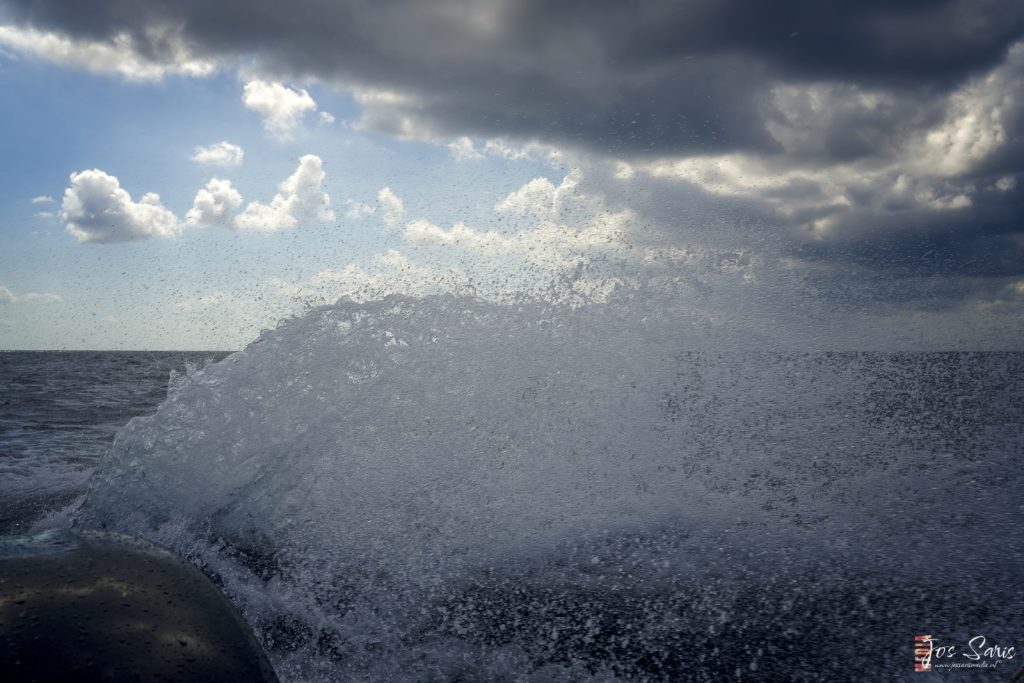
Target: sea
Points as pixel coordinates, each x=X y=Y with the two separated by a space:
x=442 y=489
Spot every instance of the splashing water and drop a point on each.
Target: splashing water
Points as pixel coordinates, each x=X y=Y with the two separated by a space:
x=443 y=488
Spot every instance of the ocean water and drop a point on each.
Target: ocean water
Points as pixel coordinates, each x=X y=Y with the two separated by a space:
x=446 y=489
x=59 y=412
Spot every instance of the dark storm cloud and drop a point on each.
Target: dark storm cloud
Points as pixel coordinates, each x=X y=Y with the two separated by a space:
x=892 y=133
x=655 y=77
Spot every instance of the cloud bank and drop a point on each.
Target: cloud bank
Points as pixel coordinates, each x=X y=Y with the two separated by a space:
x=872 y=151
x=148 y=56
x=844 y=102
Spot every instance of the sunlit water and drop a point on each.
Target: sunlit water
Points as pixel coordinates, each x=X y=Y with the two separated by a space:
x=444 y=489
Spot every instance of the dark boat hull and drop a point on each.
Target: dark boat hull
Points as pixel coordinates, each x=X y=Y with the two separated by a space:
x=91 y=606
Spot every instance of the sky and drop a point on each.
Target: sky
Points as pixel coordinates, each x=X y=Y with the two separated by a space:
x=810 y=175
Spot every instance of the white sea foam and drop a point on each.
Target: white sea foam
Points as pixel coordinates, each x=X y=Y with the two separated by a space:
x=396 y=489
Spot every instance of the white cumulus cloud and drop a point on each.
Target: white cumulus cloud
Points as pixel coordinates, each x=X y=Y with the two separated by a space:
x=97 y=209
x=214 y=203
x=392 y=208
x=281 y=107
x=299 y=197
x=562 y=227
x=222 y=153
x=42 y=199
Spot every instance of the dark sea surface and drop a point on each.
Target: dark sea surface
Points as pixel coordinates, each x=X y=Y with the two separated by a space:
x=59 y=411
x=382 y=510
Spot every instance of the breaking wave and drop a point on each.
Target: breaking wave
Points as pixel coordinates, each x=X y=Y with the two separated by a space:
x=445 y=488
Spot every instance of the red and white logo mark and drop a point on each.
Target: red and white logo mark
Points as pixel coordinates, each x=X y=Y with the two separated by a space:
x=923 y=648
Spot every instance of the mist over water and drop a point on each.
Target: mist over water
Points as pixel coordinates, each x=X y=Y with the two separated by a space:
x=443 y=488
